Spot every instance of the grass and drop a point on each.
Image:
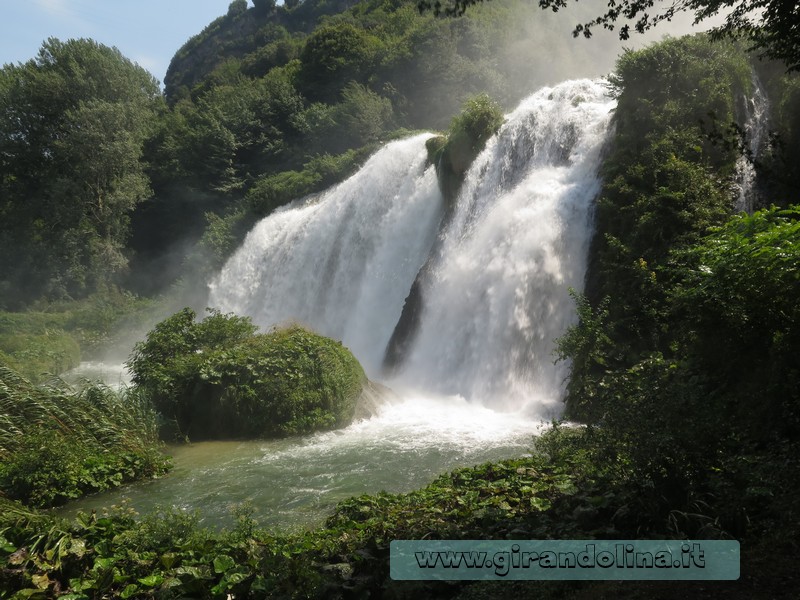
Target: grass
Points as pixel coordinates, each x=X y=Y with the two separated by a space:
x=53 y=338
x=57 y=443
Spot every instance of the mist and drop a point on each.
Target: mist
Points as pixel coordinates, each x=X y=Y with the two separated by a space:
x=544 y=51
x=537 y=49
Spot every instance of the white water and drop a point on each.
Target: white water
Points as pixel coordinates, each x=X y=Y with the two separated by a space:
x=479 y=377
x=499 y=293
x=342 y=263
x=296 y=482
x=756 y=128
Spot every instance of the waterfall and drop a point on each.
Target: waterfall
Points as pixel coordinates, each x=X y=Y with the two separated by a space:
x=497 y=292
x=498 y=295
x=756 y=121
x=343 y=262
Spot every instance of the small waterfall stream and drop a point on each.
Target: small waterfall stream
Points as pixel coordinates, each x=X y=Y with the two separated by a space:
x=756 y=129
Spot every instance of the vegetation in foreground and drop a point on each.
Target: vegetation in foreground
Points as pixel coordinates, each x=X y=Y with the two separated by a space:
x=45 y=341
x=57 y=444
x=684 y=367
x=645 y=471
x=561 y=492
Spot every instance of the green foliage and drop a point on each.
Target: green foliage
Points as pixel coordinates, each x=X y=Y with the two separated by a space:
x=47 y=342
x=469 y=131
x=274 y=191
x=257 y=97
x=334 y=55
x=57 y=444
x=730 y=316
x=362 y=116
x=769 y=25
x=264 y=5
x=480 y=119
x=665 y=183
x=740 y=288
x=167 y=552
x=560 y=492
x=237 y=8
x=220 y=239
x=434 y=147
x=74 y=121
x=37 y=356
x=218 y=379
x=683 y=353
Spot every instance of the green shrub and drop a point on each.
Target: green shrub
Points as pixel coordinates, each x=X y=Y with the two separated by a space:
x=41 y=356
x=56 y=336
x=480 y=120
x=739 y=291
x=218 y=379
x=469 y=131
x=57 y=444
x=273 y=191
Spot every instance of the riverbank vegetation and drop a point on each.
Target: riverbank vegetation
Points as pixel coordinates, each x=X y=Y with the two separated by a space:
x=561 y=492
x=58 y=444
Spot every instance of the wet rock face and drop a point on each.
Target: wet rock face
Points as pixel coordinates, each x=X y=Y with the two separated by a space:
x=406 y=328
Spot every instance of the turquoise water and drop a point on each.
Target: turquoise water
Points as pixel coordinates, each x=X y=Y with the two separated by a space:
x=296 y=482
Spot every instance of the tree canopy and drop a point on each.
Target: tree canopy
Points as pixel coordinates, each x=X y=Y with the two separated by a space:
x=772 y=26
x=73 y=122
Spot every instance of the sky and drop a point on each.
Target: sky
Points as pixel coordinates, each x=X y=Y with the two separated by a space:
x=148 y=32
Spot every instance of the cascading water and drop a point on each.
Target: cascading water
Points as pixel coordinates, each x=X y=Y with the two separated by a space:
x=495 y=298
x=756 y=113
x=341 y=263
x=498 y=295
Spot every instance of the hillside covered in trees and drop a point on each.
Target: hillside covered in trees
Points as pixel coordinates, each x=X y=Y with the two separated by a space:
x=684 y=368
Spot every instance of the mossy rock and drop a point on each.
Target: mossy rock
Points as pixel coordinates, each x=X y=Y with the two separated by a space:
x=466 y=138
x=219 y=379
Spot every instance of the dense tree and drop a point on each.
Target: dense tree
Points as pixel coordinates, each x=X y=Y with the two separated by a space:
x=264 y=5
x=665 y=184
x=237 y=7
x=772 y=26
x=72 y=126
x=334 y=55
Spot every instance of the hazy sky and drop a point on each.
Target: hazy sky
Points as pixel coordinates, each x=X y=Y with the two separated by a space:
x=148 y=32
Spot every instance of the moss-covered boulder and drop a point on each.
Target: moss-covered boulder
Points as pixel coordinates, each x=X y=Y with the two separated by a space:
x=467 y=136
x=219 y=378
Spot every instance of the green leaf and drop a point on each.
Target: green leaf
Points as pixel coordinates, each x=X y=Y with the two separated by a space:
x=540 y=503
x=41 y=581
x=129 y=590
x=223 y=563
x=152 y=580
x=104 y=563
x=236 y=578
x=77 y=547
x=6 y=546
x=168 y=559
x=29 y=594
